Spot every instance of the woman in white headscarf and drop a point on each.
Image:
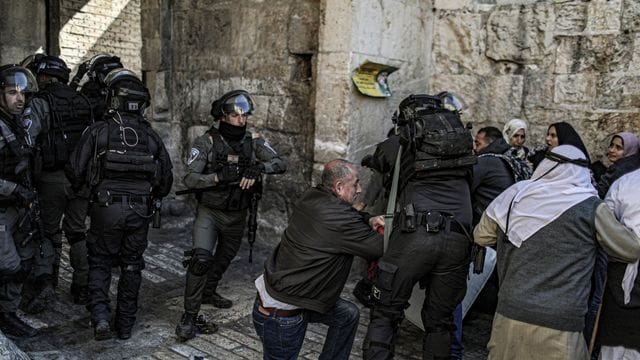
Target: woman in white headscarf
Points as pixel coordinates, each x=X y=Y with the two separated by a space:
x=544 y=232
x=515 y=134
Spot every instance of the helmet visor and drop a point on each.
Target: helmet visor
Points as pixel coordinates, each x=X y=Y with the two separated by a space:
x=452 y=102
x=239 y=104
x=20 y=79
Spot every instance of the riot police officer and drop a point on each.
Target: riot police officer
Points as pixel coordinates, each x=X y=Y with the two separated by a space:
x=96 y=69
x=58 y=115
x=127 y=166
x=430 y=242
x=229 y=161
x=18 y=247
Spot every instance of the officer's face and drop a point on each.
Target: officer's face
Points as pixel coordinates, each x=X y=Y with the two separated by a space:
x=348 y=189
x=552 y=138
x=12 y=100
x=480 y=142
x=236 y=119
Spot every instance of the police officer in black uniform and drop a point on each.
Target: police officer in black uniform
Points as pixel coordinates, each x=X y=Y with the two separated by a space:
x=58 y=115
x=229 y=161
x=127 y=166
x=17 y=250
x=94 y=88
x=429 y=243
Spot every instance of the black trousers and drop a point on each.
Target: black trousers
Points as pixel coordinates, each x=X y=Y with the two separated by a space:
x=440 y=262
x=117 y=236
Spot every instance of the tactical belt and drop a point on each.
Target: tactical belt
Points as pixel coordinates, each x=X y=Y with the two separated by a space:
x=447 y=223
x=135 y=199
x=269 y=311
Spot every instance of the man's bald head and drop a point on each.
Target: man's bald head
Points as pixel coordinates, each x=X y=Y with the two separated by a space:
x=341 y=177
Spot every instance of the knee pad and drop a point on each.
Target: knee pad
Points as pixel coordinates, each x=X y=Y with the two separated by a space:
x=383 y=279
x=200 y=262
x=74 y=238
x=133 y=266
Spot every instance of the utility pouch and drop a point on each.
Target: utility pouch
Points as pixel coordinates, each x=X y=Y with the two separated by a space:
x=188 y=254
x=433 y=221
x=383 y=279
x=408 y=219
x=103 y=197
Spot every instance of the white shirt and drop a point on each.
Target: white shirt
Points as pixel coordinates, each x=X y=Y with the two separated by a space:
x=267 y=300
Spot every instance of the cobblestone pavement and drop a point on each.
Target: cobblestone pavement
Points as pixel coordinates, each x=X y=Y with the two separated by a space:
x=65 y=332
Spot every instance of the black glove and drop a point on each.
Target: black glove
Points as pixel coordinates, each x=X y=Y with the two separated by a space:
x=253 y=171
x=228 y=174
x=24 y=195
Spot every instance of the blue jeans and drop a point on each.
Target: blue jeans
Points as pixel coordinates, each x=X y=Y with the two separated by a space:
x=282 y=337
x=457 y=348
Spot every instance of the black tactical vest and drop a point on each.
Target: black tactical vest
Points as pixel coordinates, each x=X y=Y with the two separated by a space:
x=94 y=92
x=70 y=114
x=222 y=154
x=12 y=153
x=130 y=150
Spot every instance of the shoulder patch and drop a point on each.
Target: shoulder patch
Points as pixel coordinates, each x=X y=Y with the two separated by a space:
x=193 y=154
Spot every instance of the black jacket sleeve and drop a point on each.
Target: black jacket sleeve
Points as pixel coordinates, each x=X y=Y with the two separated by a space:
x=165 y=171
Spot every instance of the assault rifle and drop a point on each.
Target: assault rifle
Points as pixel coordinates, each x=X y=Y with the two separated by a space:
x=33 y=214
x=252 y=226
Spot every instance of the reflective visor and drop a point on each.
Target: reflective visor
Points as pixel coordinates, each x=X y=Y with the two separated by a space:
x=19 y=79
x=240 y=104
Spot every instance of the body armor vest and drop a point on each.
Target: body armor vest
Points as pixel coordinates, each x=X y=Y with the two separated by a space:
x=130 y=151
x=12 y=153
x=94 y=92
x=228 y=197
x=70 y=114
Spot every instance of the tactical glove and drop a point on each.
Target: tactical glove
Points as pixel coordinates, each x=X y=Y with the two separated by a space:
x=253 y=172
x=228 y=174
x=24 y=195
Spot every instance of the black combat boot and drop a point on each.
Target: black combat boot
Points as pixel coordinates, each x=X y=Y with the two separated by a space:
x=13 y=327
x=216 y=300
x=186 y=329
x=102 y=330
x=191 y=323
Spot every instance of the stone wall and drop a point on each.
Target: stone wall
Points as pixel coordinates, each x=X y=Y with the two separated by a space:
x=194 y=51
x=22 y=29
x=393 y=32
x=90 y=27
x=545 y=62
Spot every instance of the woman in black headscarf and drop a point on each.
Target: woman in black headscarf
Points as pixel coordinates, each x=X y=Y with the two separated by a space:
x=560 y=133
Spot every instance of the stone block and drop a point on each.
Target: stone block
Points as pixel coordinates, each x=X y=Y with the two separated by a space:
x=571 y=18
x=194 y=132
x=618 y=92
x=538 y=88
x=575 y=89
x=520 y=34
x=601 y=53
x=458 y=44
x=453 y=4
x=303 y=27
x=335 y=26
x=261 y=113
x=604 y=16
x=198 y=35
x=407 y=30
x=369 y=22
x=630 y=16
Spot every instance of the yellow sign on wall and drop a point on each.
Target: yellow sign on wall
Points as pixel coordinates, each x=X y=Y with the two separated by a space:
x=371 y=79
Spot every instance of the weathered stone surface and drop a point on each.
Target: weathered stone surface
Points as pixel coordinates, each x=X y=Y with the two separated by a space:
x=458 y=44
x=571 y=18
x=630 y=15
x=603 y=53
x=520 y=34
x=575 y=89
x=303 y=25
x=618 y=92
x=604 y=16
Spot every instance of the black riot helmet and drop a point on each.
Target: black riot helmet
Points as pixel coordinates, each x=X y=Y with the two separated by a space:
x=19 y=78
x=100 y=65
x=31 y=62
x=49 y=65
x=126 y=92
x=237 y=101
